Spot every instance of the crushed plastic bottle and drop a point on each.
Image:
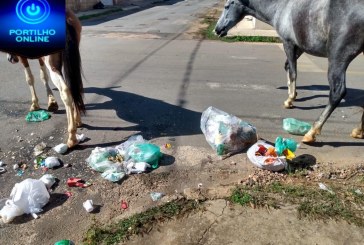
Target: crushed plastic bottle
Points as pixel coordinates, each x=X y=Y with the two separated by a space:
x=37 y=116
x=294 y=126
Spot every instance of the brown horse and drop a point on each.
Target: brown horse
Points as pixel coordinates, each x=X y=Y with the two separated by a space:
x=69 y=85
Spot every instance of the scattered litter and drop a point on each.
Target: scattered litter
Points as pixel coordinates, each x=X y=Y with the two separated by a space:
x=294 y=126
x=80 y=137
x=67 y=165
x=285 y=147
x=68 y=193
x=48 y=180
x=51 y=162
x=145 y=152
x=167 y=146
x=2 y=170
x=20 y=172
x=156 y=196
x=263 y=155
x=61 y=148
x=64 y=242
x=15 y=166
x=124 y=204
x=139 y=150
x=112 y=175
x=38 y=149
x=325 y=188
x=199 y=186
x=37 y=116
x=357 y=191
x=88 y=205
x=28 y=196
x=137 y=167
x=77 y=182
x=226 y=133
x=1 y=163
x=132 y=156
x=102 y=160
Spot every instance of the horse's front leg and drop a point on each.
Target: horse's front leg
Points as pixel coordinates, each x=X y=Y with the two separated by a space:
x=54 y=64
x=336 y=77
x=292 y=53
x=29 y=78
x=359 y=131
x=52 y=103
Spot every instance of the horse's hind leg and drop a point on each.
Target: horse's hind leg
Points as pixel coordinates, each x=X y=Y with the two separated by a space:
x=292 y=53
x=337 y=82
x=54 y=64
x=359 y=131
x=52 y=103
x=29 y=78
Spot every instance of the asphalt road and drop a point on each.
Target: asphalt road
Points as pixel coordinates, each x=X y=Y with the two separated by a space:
x=144 y=76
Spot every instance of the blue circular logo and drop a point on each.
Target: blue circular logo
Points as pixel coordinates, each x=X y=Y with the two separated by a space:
x=33 y=11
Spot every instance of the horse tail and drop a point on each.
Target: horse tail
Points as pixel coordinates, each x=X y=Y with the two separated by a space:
x=72 y=67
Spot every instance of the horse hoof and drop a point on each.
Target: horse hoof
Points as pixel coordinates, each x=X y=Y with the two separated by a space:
x=309 y=138
x=34 y=108
x=71 y=143
x=357 y=133
x=288 y=104
x=53 y=107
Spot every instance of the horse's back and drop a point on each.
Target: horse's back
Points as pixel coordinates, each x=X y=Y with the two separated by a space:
x=314 y=24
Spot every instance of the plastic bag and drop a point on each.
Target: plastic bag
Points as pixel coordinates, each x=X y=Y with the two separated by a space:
x=48 y=180
x=28 y=196
x=294 y=126
x=136 y=167
x=145 y=152
x=283 y=144
x=37 y=116
x=123 y=147
x=99 y=161
x=226 y=133
x=266 y=162
x=9 y=212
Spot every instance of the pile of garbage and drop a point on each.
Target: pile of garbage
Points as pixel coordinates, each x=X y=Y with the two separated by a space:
x=273 y=158
x=135 y=155
x=228 y=134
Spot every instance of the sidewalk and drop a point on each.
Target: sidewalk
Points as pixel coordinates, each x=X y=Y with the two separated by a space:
x=250 y=26
x=126 y=5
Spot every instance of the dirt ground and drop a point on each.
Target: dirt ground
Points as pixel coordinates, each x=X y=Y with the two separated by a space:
x=181 y=167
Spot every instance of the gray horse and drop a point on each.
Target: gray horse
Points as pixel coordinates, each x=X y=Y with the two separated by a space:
x=325 y=28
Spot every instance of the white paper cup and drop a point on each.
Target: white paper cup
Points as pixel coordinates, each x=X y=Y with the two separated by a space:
x=88 y=205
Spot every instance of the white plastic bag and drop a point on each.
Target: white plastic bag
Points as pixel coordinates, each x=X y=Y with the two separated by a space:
x=28 y=196
x=9 y=212
x=48 y=180
x=137 y=167
x=226 y=133
x=123 y=147
x=278 y=164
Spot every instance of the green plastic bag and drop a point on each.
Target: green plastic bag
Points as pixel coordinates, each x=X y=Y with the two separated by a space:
x=282 y=143
x=37 y=116
x=145 y=152
x=294 y=126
